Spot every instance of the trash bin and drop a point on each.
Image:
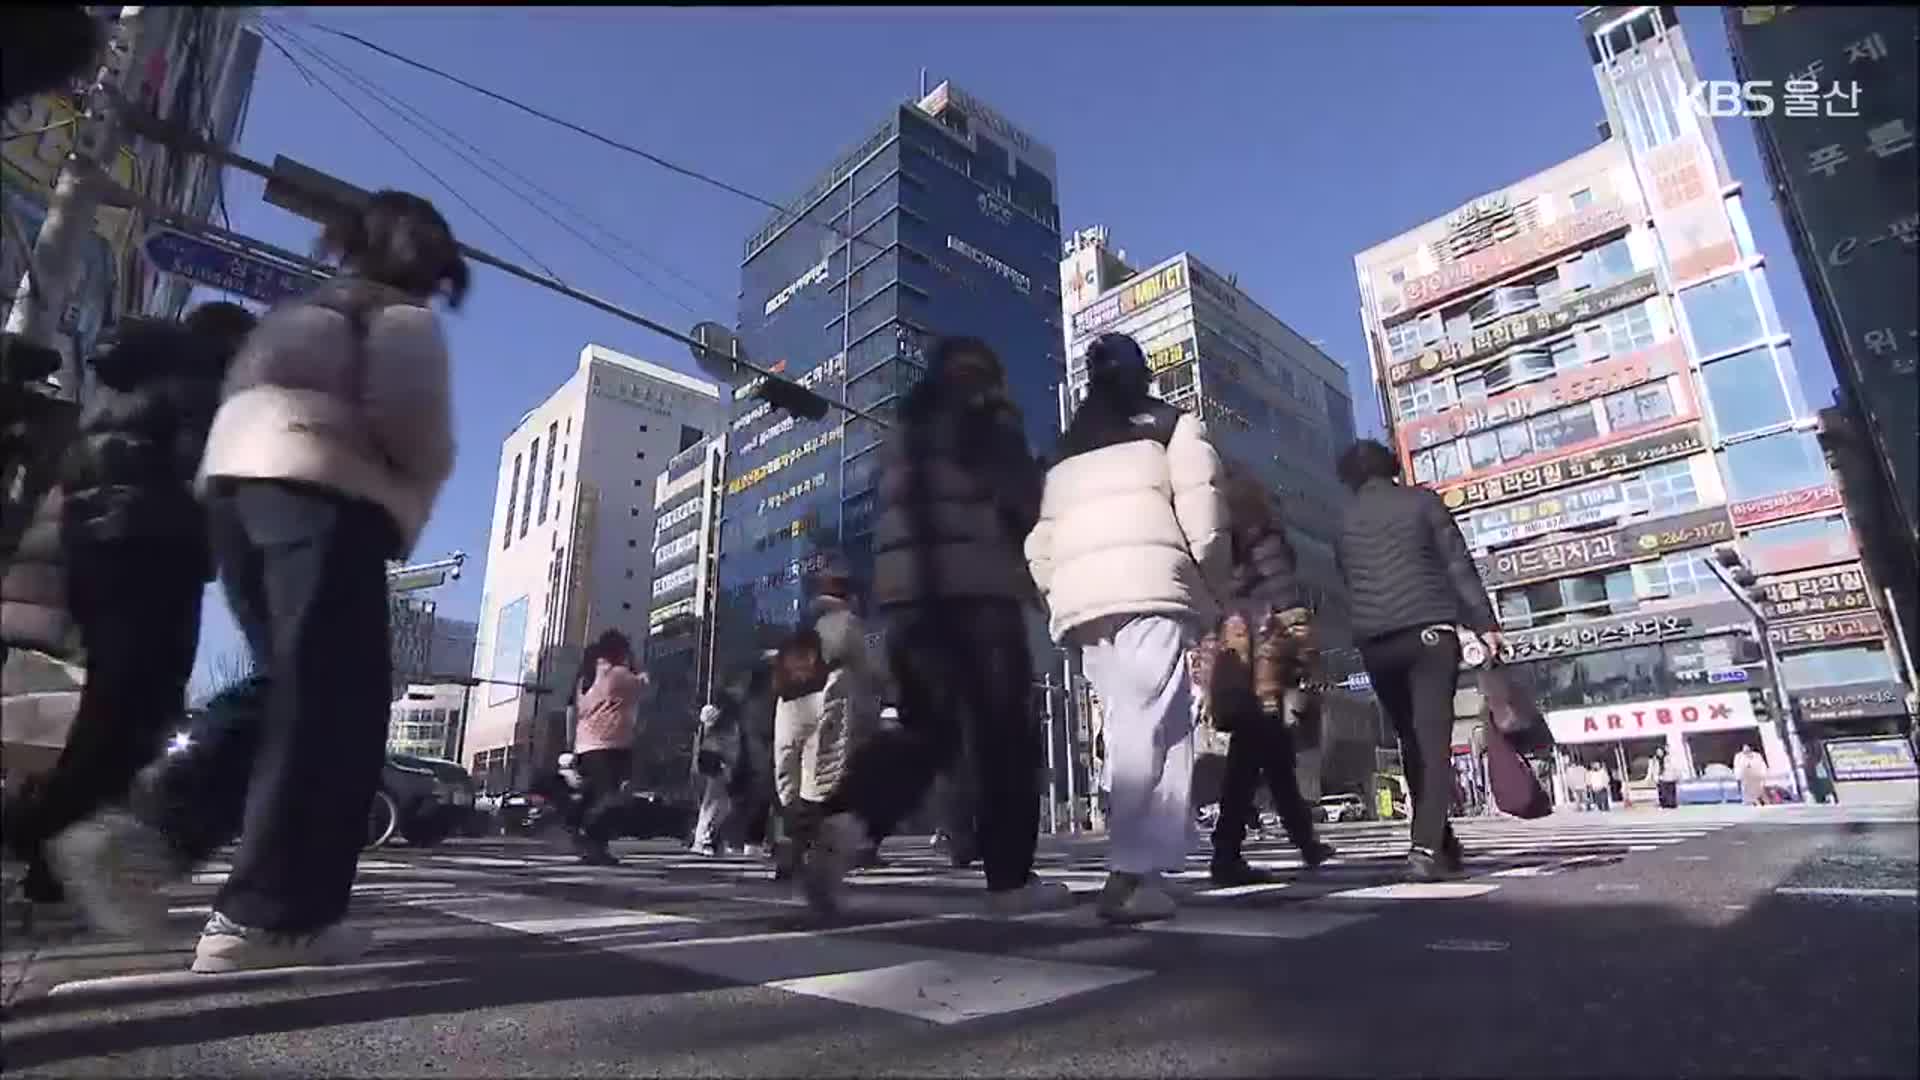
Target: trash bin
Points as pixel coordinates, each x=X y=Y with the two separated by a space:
x=1669 y=793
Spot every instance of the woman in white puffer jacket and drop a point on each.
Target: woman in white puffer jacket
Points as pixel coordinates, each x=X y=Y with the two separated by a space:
x=1133 y=553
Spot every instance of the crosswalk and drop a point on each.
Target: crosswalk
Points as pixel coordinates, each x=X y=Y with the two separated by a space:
x=915 y=940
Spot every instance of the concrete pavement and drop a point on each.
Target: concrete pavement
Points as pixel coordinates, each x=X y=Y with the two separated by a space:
x=1582 y=945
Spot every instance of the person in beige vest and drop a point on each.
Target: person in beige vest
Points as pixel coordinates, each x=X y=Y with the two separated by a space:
x=330 y=446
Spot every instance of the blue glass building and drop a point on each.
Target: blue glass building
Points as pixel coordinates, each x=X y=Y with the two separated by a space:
x=954 y=226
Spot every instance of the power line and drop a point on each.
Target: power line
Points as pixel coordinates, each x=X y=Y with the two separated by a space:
x=421 y=165
x=395 y=104
x=690 y=173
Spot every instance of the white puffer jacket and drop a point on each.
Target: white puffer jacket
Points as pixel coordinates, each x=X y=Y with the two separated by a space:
x=1133 y=522
x=815 y=736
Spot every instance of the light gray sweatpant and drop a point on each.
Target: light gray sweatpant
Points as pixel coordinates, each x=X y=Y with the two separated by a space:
x=714 y=806
x=1138 y=667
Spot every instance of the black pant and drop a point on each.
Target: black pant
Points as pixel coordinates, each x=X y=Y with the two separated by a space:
x=291 y=758
x=961 y=667
x=1260 y=745
x=137 y=605
x=1414 y=672
x=603 y=773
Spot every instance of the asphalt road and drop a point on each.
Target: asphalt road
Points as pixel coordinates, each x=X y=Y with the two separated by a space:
x=1712 y=942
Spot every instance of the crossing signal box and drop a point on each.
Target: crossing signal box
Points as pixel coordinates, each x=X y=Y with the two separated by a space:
x=1741 y=574
x=792 y=398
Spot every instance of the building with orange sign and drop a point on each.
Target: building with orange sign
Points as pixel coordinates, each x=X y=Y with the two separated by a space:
x=1589 y=367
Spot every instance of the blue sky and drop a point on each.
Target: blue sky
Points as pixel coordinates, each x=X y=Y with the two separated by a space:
x=1274 y=144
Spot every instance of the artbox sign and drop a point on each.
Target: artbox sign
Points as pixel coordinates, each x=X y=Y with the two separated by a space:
x=1708 y=712
x=1521 y=251
x=1569 y=388
x=1619 y=457
x=1524 y=327
x=1641 y=540
x=1819 y=633
x=1785 y=505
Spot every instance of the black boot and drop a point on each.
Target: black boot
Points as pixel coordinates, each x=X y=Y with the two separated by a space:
x=1315 y=852
x=1424 y=865
x=1234 y=870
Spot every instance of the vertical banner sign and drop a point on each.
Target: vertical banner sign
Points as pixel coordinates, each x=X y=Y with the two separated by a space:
x=1849 y=176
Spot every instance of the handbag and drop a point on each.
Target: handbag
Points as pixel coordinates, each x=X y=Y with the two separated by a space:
x=1512 y=714
x=1516 y=787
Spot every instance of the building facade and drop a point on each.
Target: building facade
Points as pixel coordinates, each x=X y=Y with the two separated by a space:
x=1589 y=367
x=680 y=622
x=425 y=722
x=571 y=548
x=954 y=226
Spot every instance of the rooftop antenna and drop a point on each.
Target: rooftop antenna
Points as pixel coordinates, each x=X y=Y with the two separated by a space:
x=923 y=82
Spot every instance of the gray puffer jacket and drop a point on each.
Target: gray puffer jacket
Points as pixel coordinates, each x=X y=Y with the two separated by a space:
x=1406 y=564
x=814 y=736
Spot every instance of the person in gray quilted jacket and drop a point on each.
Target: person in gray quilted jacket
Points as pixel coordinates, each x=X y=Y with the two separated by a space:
x=1411 y=586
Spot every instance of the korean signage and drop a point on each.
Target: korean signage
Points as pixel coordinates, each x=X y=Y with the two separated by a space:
x=1020 y=282
x=1641 y=540
x=1547 y=514
x=1851 y=702
x=1605 y=461
x=1143 y=292
x=1820 y=592
x=1524 y=327
x=1215 y=289
x=995 y=209
x=1501 y=259
x=1887 y=757
x=811 y=277
x=1171 y=356
x=1849 y=184
x=773 y=465
x=1645 y=719
x=1820 y=633
x=1601 y=634
x=1568 y=388
x=1788 y=504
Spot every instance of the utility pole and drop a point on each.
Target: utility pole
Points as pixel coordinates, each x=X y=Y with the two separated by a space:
x=1740 y=581
x=99 y=136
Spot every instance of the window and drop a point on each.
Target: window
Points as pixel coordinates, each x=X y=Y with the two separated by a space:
x=1403 y=339
x=1504 y=301
x=689 y=437
x=1572 y=599
x=1609 y=263
x=513 y=496
x=1664 y=489
x=1678 y=573
x=546 y=471
x=1627 y=330
x=1745 y=394
x=1788 y=461
x=1640 y=406
x=1799 y=544
x=1721 y=315
x=1567 y=427
x=1837 y=667
x=1423 y=397
x=1581 y=199
x=526 y=504
x=633 y=543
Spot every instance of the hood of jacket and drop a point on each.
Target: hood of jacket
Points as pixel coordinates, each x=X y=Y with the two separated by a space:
x=138 y=350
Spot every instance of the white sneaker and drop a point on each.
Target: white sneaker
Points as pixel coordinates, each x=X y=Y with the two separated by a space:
x=1142 y=899
x=115 y=868
x=1033 y=897
x=835 y=852
x=226 y=946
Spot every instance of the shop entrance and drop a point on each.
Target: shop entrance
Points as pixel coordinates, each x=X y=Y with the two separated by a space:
x=1711 y=748
x=1627 y=762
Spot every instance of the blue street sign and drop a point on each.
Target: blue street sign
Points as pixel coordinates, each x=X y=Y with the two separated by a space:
x=174 y=252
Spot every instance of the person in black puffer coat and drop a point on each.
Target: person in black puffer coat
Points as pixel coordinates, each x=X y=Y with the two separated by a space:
x=1411 y=584
x=137 y=559
x=1266 y=602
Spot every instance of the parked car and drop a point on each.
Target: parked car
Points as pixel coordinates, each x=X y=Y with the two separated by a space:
x=651 y=815
x=421 y=800
x=1335 y=808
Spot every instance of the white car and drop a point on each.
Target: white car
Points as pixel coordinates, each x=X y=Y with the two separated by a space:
x=1334 y=808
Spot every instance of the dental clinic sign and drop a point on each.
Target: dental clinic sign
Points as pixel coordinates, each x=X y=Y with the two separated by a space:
x=1648 y=719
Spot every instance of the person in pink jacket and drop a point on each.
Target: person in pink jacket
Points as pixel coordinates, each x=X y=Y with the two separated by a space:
x=607 y=712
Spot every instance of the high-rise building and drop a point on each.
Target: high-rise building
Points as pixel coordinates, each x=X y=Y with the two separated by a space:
x=954 y=222
x=1588 y=366
x=451 y=650
x=1846 y=181
x=680 y=634
x=1273 y=402
x=570 y=553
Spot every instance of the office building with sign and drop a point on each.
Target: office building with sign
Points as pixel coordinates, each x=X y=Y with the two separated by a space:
x=954 y=221
x=1273 y=403
x=685 y=593
x=570 y=553
x=1589 y=368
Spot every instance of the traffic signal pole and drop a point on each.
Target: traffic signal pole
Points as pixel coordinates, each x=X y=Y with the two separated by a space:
x=314 y=195
x=1728 y=565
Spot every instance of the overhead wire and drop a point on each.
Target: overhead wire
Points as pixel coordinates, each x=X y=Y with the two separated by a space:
x=408 y=154
x=400 y=107
x=671 y=166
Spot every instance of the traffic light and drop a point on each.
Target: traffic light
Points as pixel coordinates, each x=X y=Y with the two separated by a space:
x=793 y=398
x=1741 y=574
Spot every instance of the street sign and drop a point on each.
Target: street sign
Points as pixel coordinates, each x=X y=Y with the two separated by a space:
x=1727 y=675
x=174 y=252
x=415 y=580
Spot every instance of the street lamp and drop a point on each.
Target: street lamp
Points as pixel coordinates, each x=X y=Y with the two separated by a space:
x=1739 y=579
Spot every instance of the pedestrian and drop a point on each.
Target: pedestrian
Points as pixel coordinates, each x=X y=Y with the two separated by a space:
x=959 y=489
x=747 y=695
x=136 y=563
x=324 y=461
x=1576 y=784
x=1412 y=589
x=1133 y=554
x=828 y=706
x=1600 y=787
x=606 y=707
x=1266 y=594
x=1750 y=768
x=716 y=747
